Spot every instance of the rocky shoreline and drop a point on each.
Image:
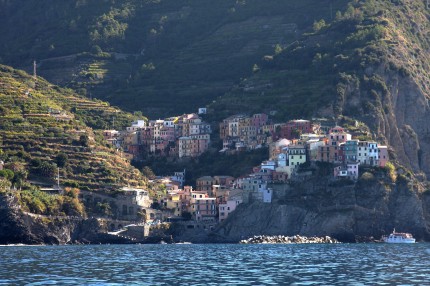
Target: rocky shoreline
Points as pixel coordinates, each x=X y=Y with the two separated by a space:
x=280 y=239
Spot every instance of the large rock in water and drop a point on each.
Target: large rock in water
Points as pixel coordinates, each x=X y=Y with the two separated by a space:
x=363 y=212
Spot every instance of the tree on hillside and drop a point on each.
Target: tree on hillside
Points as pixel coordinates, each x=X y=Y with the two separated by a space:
x=61 y=160
x=47 y=169
x=84 y=140
x=147 y=172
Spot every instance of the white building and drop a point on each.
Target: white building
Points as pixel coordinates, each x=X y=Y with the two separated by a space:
x=256 y=189
x=270 y=165
x=136 y=125
x=362 y=152
x=373 y=153
x=202 y=110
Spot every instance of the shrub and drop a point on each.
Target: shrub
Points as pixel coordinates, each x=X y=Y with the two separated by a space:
x=7 y=174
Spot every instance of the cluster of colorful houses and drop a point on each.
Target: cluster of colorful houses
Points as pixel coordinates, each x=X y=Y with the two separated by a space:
x=291 y=144
x=181 y=136
x=299 y=141
x=336 y=147
x=243 y=132
x=213 y=198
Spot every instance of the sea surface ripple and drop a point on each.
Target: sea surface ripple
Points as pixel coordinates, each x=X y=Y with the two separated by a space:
x=216 y=264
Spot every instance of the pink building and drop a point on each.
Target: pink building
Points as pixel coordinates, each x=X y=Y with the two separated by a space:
x=167 y=134
x=352 y=168
x=259 y=120
x=204 y=209
x=383 y=155
x=293 y=128
x=338 y=135
x=227 y=208
x=193 y=146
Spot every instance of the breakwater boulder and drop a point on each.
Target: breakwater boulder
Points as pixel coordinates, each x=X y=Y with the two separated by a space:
x=280 y=239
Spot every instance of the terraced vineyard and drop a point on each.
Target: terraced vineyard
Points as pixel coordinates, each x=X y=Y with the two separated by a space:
x=38 y=122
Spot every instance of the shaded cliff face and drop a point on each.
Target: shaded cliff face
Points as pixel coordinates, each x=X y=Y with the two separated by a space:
x=369 y=209
x=404 y=123
x=18 y=227
x=398 y=105
x=389 y=88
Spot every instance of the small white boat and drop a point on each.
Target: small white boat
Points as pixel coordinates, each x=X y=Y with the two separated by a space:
x=399 y=237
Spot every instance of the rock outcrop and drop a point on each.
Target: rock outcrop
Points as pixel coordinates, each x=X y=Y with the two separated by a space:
x=280 y=239
x=355 y=213
x=19 y=227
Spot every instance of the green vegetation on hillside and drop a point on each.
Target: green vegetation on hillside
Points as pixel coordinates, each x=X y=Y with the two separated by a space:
x=208 y=164
x=38 y=202
x=141 y=55
x=43 y=133
x=315 y=75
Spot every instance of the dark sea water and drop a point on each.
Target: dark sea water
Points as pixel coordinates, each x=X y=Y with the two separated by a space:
x=222 y=264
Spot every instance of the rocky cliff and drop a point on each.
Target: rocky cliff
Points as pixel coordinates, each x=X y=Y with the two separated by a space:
x=17 y=226
x=361 y=212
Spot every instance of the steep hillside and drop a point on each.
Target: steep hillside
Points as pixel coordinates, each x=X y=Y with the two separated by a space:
x=42 y=127
x=371 y=64
x=161 y=57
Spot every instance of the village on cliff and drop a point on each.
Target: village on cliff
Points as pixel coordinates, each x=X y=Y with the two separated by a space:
x=291 y=145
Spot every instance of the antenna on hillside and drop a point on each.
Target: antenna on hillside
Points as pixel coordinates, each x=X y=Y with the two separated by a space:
x=35 y=73
x=58 y=177
x=113 y=123
x=58 y=181
x=34 y=70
